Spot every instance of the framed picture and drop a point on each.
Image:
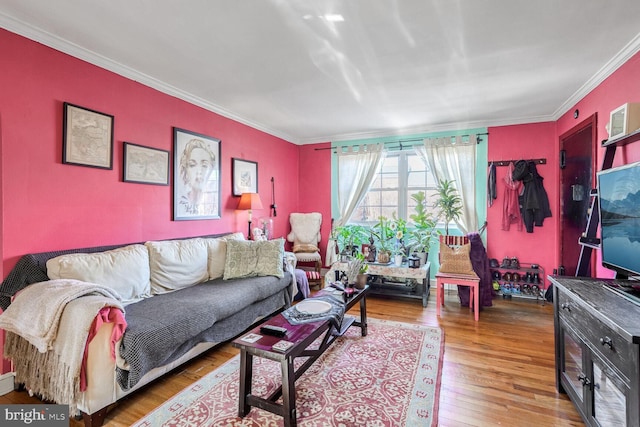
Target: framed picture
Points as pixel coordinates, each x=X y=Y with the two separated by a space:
x=87 y=137
x=196 y=176
x=145 y=165
x=245 y=176
x=365 y=250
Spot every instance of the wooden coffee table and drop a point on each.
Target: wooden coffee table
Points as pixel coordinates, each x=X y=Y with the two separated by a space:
x=302 y=335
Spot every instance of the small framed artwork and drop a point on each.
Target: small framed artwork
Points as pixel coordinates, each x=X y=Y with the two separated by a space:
x=87 y=137
x=145 y=165
x=245 y=176
x=196 y=176
x=365 y=250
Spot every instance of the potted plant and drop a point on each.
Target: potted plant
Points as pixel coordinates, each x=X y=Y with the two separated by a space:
x=384 y=234
x=349 y=238
x=424 y=227
x=399 y=254
x=361 y=279
x=448 y=202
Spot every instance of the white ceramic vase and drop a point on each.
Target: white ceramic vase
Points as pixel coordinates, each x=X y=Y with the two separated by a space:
x=423 y=258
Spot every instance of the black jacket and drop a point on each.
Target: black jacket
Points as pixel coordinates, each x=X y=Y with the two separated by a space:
x=492 y=192
x=534 y=202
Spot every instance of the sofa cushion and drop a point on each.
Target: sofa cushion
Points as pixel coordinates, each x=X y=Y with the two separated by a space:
x=247 y=258
x=177 y=264
x=125 y=270
x=217 y=253
x=305 y=247
x=157 y=334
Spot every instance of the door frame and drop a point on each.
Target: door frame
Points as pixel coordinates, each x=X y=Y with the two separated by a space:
x=592 y=121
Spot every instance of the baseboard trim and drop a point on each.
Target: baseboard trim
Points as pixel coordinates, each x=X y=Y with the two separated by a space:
x=6 y=383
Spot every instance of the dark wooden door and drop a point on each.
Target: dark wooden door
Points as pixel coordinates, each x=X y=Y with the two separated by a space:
x=576 y=181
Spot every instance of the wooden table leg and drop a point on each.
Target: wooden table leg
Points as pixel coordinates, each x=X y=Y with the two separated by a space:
x=288 y=393
x=425 y=289
x=246 y=374
x=363 y=316
x=476 y=301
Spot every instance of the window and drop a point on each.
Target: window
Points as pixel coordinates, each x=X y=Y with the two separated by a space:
x=401 y=175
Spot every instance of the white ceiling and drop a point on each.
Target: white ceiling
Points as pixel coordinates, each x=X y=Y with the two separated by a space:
x=392 y=67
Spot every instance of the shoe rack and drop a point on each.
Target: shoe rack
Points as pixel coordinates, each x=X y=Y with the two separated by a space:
x=519 y=280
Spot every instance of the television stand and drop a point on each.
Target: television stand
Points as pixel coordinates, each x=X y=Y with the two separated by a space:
x=597 y=346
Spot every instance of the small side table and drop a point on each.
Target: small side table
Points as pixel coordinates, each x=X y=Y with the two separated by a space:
x=302 y=336
x=392 y=270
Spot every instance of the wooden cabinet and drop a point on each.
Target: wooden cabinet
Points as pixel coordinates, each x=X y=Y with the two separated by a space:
x=597 y=344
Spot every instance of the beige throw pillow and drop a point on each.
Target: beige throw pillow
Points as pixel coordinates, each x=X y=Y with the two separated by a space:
x=177 y=264
x=456 y=260
x=125 y=270
x=217 y=253
x=247 y=258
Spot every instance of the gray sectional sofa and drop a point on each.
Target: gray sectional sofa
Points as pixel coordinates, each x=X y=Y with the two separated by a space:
x=179 y=297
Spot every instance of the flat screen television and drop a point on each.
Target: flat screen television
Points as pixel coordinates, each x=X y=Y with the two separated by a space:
x=619 y=197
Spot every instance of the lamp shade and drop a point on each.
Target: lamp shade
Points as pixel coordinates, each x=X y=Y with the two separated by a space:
x=249 y=201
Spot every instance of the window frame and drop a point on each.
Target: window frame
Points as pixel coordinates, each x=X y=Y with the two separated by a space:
x=403 y=189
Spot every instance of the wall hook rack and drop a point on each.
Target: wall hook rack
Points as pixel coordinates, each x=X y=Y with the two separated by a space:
x=507 y=162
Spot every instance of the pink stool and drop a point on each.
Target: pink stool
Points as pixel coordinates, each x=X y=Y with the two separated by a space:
x=473 y=282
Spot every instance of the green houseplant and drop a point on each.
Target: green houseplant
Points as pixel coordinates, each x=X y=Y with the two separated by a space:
x=448 y=202
x=424 y=227
x=384 y=233
x=361 y=278
x=349 y=237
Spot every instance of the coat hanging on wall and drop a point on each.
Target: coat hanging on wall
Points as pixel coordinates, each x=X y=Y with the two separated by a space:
x=510 y=203
x=491 y=184
x=534 y=202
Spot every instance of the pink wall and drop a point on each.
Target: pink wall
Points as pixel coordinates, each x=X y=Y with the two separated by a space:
x=619 y=88
x=525 y=142
x=542 y=140
x=48 y=205
x=315 y=186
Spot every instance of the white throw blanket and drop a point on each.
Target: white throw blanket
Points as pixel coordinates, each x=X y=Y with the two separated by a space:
x=35 y=312
x=47 y=326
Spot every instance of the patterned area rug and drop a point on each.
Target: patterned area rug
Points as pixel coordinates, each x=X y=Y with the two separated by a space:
x=391 y=377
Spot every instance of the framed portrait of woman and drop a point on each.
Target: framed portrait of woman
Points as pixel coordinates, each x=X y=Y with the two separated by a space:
x=196 y=176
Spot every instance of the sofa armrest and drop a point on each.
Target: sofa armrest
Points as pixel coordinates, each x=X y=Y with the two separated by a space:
x=290 y=261
x=101 y=372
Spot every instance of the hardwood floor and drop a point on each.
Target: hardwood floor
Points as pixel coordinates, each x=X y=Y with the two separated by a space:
x=499 y=371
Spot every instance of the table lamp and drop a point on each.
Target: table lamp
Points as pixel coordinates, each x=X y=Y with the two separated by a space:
x=248 y=202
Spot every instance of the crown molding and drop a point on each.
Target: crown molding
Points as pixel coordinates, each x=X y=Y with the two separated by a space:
x=447 y=127
x=33 y=33
x=609 y=68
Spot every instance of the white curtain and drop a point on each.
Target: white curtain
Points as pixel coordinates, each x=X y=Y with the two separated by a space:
x=356 y=171
x=454 y=159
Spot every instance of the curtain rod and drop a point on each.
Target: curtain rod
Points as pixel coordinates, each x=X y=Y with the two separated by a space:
x=401 y=147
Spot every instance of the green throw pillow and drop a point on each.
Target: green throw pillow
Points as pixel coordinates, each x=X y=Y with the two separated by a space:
x=248 y=258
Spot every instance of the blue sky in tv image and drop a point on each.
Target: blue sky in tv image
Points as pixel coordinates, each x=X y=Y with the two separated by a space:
x=619 y=196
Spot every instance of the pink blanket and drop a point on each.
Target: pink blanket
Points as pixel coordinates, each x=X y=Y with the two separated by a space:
x=105 y=315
